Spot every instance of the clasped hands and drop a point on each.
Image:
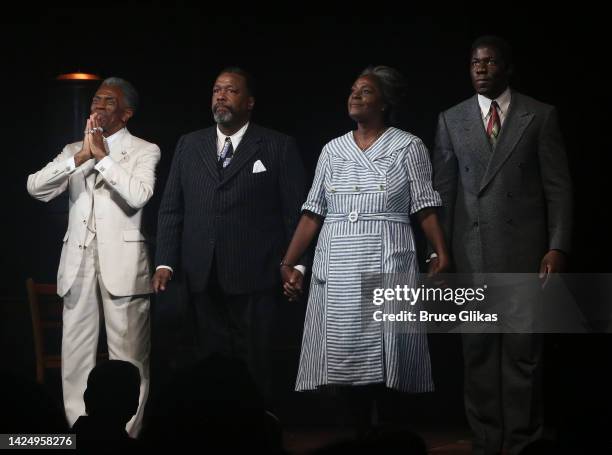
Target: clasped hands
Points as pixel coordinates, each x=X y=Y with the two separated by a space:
x=93 y=142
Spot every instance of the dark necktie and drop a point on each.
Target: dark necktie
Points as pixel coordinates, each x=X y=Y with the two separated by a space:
x=226 y=154
x=494 y=124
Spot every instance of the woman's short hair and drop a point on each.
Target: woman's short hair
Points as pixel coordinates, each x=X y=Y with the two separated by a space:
x=392 y=85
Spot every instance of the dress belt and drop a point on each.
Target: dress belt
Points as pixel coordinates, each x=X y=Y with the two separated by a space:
x=355 y=216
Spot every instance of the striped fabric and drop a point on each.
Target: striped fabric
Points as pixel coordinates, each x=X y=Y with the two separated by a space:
x=366 y=198
x=243 y=219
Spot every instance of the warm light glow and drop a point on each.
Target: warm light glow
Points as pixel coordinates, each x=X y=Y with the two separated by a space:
x=79 y=76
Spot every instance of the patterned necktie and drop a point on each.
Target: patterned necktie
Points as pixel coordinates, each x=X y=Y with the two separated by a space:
x=494 y=124
x=226 y=154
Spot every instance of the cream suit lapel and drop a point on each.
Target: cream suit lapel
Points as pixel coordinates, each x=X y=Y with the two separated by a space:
x=121 y=152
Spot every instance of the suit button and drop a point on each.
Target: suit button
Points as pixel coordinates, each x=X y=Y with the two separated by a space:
x=123 y=152
x=113 y=182
x=509 y=194
x=353 y=216
x=333 y=190
x=356 y=188
x=101 y=168
x=475 y=223
x=80 y=247
x=84 y=221
x=382 y=187
x=509 y=221
x=467 y=169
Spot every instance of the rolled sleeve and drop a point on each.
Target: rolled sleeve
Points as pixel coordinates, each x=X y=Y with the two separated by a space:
x=422 y=193
x=316 y=202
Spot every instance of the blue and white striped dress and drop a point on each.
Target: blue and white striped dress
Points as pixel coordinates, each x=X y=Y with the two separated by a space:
x=366 y=198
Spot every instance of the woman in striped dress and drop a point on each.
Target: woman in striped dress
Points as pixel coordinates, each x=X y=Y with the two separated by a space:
x=367 y=184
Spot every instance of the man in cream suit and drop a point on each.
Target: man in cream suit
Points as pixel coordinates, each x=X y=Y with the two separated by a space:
x=104 y=263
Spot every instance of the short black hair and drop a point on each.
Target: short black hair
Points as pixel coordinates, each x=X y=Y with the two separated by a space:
x=502 y=47
x=248 y=78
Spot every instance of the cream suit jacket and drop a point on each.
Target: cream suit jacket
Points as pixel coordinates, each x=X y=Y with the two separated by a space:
x=119 y=193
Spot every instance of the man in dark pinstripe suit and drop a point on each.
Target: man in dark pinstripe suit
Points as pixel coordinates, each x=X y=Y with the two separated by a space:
x=229 y=208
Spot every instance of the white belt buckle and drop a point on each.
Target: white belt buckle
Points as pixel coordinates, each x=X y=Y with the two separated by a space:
x=353 y=216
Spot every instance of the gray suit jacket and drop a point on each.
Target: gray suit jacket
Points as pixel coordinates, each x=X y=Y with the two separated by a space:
x=503 y=209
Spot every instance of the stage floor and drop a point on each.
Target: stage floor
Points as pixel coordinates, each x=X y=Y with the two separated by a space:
x=451 y=441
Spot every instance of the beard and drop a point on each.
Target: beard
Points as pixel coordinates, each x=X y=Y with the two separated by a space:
x=224 y=116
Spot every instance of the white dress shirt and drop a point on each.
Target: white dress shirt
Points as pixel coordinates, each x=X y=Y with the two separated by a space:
x=503 y=102
x=236 y=138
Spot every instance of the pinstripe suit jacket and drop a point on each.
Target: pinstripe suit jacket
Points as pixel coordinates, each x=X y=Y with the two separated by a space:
x=244 y=220
x=503 y=209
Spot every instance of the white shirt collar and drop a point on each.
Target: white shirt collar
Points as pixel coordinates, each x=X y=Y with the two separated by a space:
x=236 y=137
x=115 y=136
x=503 y=101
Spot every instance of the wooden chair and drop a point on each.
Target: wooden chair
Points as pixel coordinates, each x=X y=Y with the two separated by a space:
x=46 y=308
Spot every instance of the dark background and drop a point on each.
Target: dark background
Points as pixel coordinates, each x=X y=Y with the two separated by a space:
x=304 y=67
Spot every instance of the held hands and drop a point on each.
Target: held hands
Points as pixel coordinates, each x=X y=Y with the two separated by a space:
x=293 y=281
x=553 y=262
x=437 y=265
x=160 y=279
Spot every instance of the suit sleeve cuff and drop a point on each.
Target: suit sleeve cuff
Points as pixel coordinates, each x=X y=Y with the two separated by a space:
x=104 y=164
x=69 y=165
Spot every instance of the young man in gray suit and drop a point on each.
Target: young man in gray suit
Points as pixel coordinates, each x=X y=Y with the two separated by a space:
x=501 y=170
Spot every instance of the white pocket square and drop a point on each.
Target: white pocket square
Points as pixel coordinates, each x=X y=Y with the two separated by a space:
x=258 y=167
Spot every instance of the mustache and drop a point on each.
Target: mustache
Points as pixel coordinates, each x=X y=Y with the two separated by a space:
x=217 y=106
